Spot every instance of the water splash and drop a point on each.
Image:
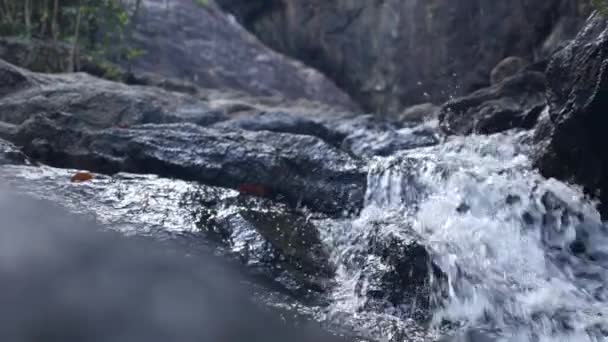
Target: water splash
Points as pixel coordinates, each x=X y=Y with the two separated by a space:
x=525 y=258
x=521 y=257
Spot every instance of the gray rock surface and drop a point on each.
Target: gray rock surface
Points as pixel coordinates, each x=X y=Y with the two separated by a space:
x=100 y=103
x=570 y=138
x=516 y=102
x=10 y=154
x=508 y=67
x=395 y=53
x=296 y=167
x=207 y=47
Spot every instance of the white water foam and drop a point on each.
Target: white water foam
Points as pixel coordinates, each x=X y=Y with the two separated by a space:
x=525 y=257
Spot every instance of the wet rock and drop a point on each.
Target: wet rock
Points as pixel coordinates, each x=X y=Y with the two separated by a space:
x=397 y=273
x=282 y=122
x=514 y=103
x=393 y=53
x=463 y=208
x=512 y=199
x=293 y=236
x=365 y=136
x=570 y=138
x=266 y=234
x=99 y=102
x=9 y=154
x=508 y=67
x=559 y=221
x=368 y=143
x=298 y=168
x=130 y=203
x=344 y=125
x=269 y=238
x=419 y=113
x=91 y=284
x=13 y=79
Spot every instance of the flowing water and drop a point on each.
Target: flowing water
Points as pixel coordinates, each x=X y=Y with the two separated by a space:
x=525 y=258
x=521 y=257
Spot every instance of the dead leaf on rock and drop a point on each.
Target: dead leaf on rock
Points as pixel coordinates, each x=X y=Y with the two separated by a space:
x=80 y=177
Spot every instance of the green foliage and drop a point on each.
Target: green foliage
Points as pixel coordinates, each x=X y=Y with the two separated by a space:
x=202 y=3
x=601 y=6
x=100 y=27
x=109 y=71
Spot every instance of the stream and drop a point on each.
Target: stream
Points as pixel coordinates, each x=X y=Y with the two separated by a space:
x=501 y=253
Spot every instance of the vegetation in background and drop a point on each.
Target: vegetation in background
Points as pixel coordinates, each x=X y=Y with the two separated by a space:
x=202 y=3
x=601 y=6
x=101 y=27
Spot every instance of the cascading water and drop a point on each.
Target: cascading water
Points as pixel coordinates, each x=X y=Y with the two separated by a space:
x=463 y=239
x=523 y=258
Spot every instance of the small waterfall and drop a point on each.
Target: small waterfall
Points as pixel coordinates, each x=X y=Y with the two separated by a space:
x=523 y=258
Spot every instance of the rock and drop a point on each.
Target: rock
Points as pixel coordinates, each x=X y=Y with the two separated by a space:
x=369 y=143
x=564 y=30
x=9 y=154
x=267 y=234
x=91 y=284
x=35 y=55
x=558 y=220
x=364 y=136
x=508 y=67
x=294 y=236
x=186 y=46
x=99 y=102
x=297 y=167
x=570 y=138
x=282 y=122
x=13 y=79
x=260 y=233
x=394 y=53
x=516 y=102
x=397 y=272
x=419 y=113
x=207 y=47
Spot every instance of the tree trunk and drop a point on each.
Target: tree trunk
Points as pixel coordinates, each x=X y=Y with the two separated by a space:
x=54 y=24
x=74 y=57
x=27 y=15
x=44 y=18
x=7 y=11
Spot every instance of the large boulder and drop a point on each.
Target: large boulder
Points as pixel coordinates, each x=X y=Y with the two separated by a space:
x=281 y=122
x=201 y=44
x=516 y=102
x=298 y=168
x=570 y=138
x=265 y=236
x=393 y=53
x=91 y=284
x=99 y=102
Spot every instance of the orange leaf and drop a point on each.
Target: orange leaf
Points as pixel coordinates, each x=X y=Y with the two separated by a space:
x=80 y=177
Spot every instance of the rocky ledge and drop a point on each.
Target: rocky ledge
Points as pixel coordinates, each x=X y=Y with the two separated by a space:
x=262 y=181
x=266 y=181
